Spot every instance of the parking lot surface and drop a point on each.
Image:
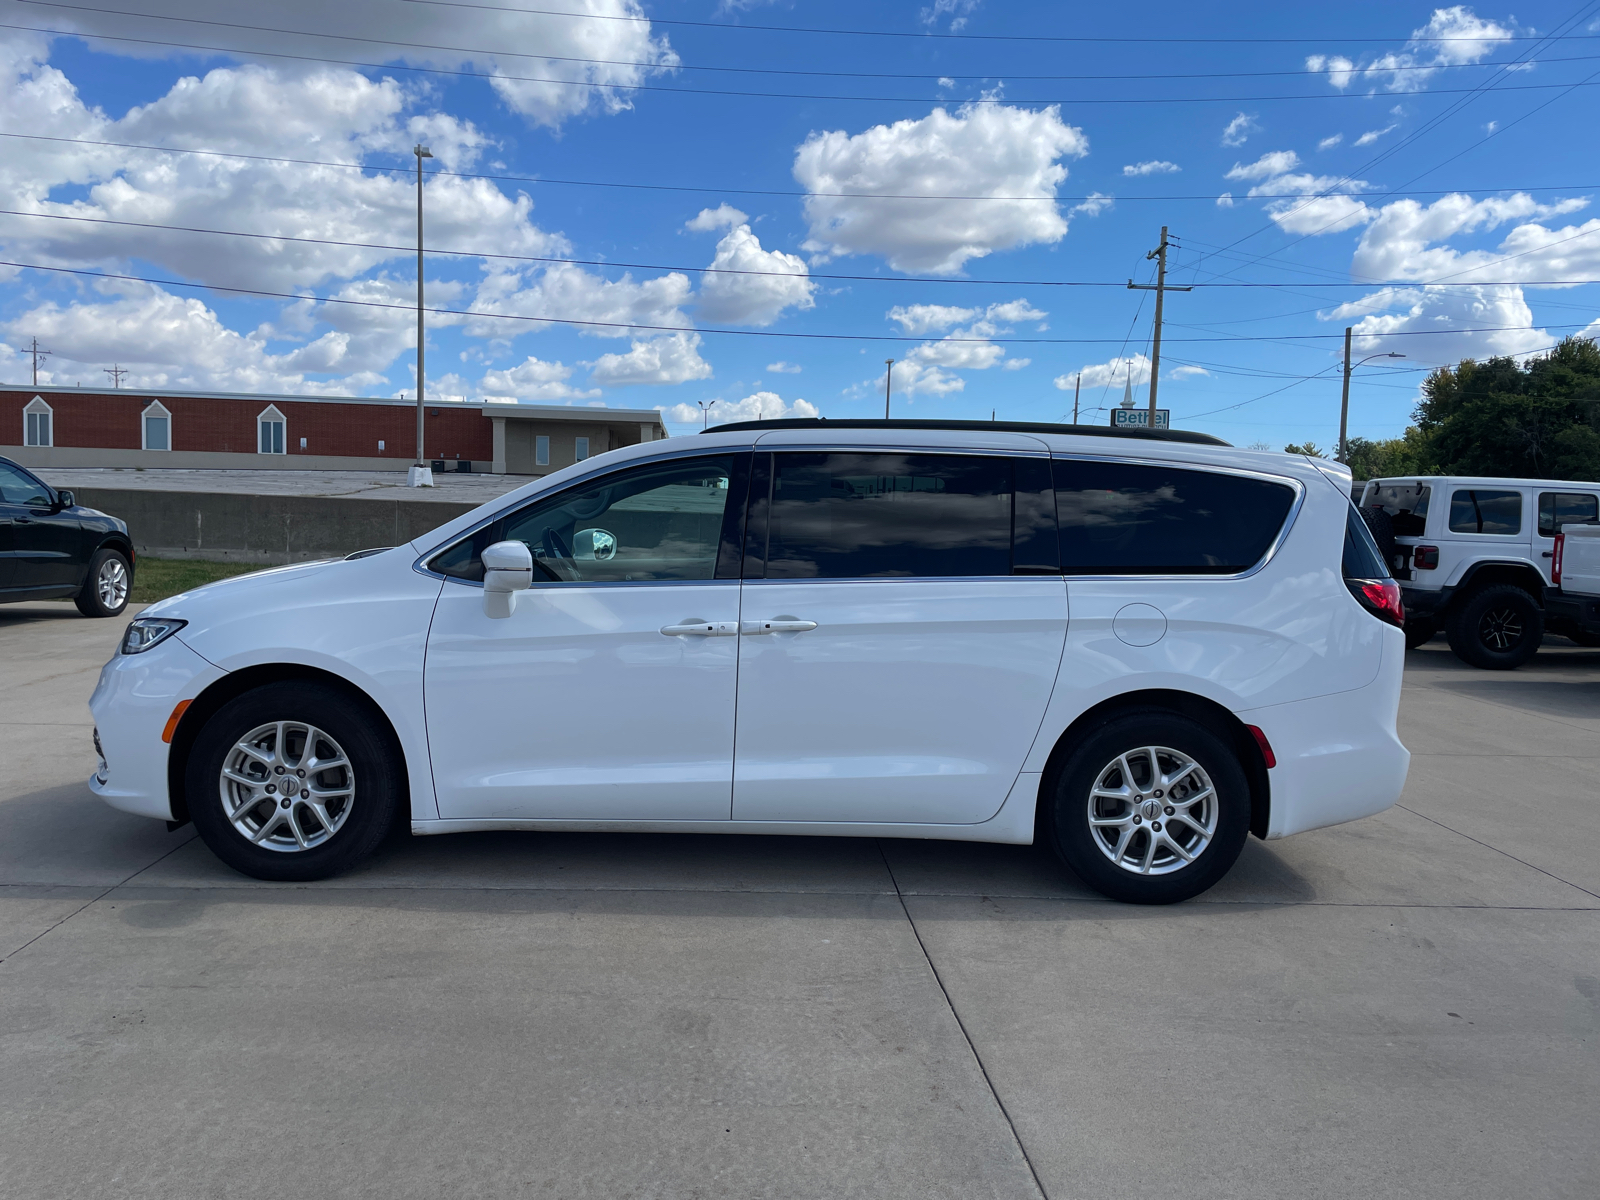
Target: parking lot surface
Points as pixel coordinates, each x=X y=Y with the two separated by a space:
x=1408 y=1005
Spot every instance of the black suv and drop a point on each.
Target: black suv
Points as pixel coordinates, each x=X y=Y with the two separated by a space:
x=51 y=548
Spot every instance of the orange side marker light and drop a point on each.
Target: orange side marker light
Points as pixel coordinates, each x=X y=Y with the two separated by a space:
x=172 y=721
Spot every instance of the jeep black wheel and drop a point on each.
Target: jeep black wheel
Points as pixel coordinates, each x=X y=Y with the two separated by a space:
x=1498 y=628
x=1420 y=631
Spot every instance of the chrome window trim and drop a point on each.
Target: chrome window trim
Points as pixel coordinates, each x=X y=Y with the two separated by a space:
x=1187 y=465
x=420 y=564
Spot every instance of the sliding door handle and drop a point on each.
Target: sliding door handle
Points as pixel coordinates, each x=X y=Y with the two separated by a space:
x=777 y=625
x=694 y=628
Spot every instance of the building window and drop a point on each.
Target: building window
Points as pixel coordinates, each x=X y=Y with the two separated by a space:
x=269 y=425
x=36 y=424
x=580 y=449
x=380 y=445
x=157 y=425
x=541 y=451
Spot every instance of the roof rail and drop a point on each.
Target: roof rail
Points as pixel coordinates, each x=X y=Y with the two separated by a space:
x=1148 y=435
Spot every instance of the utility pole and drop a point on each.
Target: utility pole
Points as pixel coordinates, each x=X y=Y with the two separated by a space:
x=116 y=371
x=1076 y=384
x=1344 y=404
x=1160 y=289
x=888 y=376
x=37 y=355
x=421 y=475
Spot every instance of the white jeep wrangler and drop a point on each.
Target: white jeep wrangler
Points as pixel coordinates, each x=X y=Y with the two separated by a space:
x=1473 y=558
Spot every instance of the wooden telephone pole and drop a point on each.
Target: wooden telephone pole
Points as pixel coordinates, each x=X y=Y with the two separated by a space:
x=1161 y=289
x=37 y=353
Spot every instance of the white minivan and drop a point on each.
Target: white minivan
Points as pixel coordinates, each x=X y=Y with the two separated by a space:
x=1141 y=647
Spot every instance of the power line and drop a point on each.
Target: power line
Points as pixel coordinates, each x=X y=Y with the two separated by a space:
x=973 y=37
x=617 y=85
x=1208 y=197
x=477 y=314
x=645 y=64
x=638 y=266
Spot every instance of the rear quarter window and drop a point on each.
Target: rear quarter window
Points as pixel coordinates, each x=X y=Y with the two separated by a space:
x=1150 y=519
x=1484 y=510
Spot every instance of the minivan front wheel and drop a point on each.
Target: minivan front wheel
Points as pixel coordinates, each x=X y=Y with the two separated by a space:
x=1151 y=808
x=293 y=781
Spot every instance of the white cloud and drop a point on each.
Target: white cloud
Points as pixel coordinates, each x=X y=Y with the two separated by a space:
x=1115 y=371
x=1154 y=166
x=956 y=10
x=925 y=318
x=250 y=110
x=1339 y=68
x=1273 y=162
x=674 y=358
x=1453 y=36
x=621 y=45
x=986 y=151
x=1372 y=135
x=579 y=295
x=761 y=406
x=926 y=369
x=1429 y=314
x=1225 y=200
x=1328 y=143
x=169 y=341
x=723 y=216
x=1401 y=241
x=766 y=282
x=1015 y=364
x=1187 y=372
x=1238 y=130
x=1094 y=204
x=784 y=368
x=533 y=379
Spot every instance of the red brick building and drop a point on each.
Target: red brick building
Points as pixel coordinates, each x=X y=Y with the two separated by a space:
x=73 y=427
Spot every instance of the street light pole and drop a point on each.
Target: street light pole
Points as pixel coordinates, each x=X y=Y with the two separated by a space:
x=421 y=474
x=1344 y=403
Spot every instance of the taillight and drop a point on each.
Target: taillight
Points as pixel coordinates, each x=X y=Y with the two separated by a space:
x=1425 y=558
x=1380 y=597
x=1555 y=559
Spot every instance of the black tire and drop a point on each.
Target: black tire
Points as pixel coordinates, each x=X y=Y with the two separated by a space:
x=1381 y=525
x=106 y=585
x=1497 y=628
x=374 y=778
x=1088 y=851
x=1420 y=631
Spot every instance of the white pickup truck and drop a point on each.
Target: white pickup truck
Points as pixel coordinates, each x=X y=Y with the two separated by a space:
x=1575 y=573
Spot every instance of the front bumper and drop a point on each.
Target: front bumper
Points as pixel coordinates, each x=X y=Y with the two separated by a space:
x=1581 y=611
x=131 y=703
x=1339 y=756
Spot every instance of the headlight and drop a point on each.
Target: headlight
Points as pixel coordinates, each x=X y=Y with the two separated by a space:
x=145 y=632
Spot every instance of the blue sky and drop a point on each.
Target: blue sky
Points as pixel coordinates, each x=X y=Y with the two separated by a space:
x=941 y=183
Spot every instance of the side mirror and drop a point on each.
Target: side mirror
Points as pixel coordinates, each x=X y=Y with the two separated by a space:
x=64 y=498
x=507 y=570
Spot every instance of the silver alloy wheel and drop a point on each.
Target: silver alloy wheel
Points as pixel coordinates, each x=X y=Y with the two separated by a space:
x=1500 y=628
x=1152 y=811
x=287 y=786
x=111 y=583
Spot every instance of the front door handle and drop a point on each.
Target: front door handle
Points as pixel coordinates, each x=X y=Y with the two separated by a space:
x=778 y=625
x=697 y=628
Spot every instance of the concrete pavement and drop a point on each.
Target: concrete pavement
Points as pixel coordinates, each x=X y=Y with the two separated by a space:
x=1407 y=1005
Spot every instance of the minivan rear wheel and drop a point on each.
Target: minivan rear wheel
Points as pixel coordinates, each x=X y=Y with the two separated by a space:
x=1497 y=629
x=1151 y=808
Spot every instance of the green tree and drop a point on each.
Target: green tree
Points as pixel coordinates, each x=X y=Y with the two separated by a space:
x=1308 y=448
x=1406 y=455
x=1497 y=418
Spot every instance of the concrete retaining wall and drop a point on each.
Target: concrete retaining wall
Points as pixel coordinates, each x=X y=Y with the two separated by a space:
x=264 y=529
